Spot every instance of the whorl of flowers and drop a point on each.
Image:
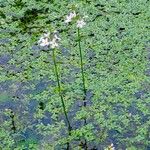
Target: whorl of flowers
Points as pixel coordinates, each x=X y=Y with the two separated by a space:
x=70 y=17
x=79 y=22
x=51 y=40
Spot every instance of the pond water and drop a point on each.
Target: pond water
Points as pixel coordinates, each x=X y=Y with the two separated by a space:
x=12 y=96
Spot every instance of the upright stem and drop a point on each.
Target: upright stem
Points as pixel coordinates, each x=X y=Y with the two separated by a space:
x=83 y=79
x=59 y=90
x=81 y=65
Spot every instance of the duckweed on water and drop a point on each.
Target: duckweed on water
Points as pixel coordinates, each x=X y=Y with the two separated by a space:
x=102 y=64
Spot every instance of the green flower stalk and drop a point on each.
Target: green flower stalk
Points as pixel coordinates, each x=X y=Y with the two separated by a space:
x=81 y=65
x=59 y=90
x=52 y=42
x=80 y=24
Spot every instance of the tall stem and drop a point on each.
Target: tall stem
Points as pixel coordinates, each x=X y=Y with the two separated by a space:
x=83 y=80
x=59 y=90
x=81 y=65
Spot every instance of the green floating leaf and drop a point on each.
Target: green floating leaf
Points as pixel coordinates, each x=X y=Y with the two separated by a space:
x=4 y=97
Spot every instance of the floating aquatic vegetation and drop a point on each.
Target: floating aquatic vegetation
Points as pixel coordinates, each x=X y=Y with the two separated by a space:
x=115 y=35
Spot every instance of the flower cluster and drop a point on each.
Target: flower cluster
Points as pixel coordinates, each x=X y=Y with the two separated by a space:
x=80 y=22
x=111 y=147
x=70 y=17
x=49 y=40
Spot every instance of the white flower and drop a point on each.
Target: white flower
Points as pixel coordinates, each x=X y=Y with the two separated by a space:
x=80 y=23
x=43 y=42
x=70 y=17
x=40 y=40
x=73 y=14
x=130 y=114
x=56 y=37
x=47 y=34
x=111 y=147
x=53 y=43
x=49 y=40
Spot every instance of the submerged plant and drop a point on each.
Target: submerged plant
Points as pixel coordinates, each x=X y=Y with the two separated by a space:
x=12 y=117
